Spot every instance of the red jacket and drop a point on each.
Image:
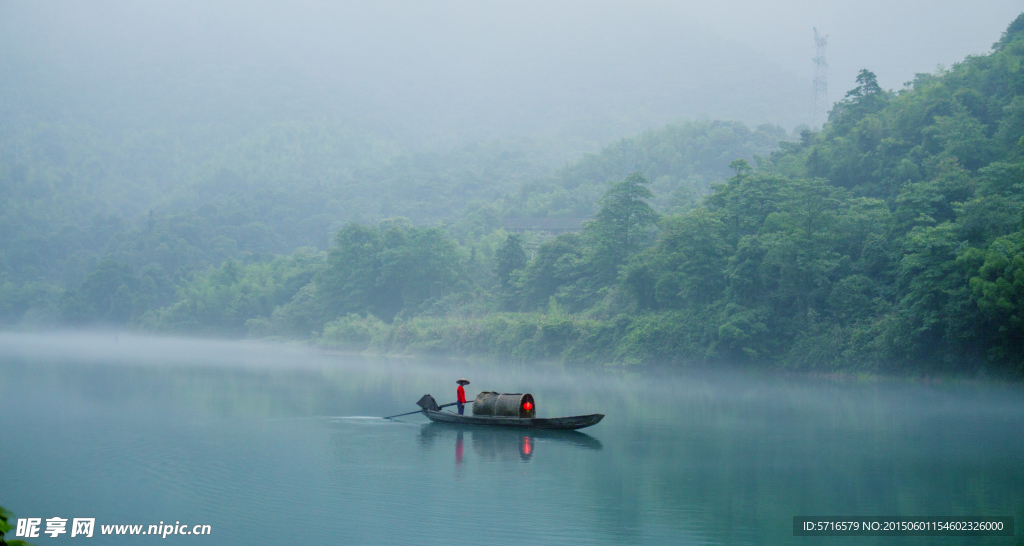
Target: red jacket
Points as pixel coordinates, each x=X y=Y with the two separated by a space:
x=461 y=394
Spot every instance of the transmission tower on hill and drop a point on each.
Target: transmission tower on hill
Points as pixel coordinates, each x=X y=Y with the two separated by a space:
x=819 y=101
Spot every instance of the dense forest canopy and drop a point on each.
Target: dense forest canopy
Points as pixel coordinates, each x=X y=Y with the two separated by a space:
x=892 y=238
x=257 y=200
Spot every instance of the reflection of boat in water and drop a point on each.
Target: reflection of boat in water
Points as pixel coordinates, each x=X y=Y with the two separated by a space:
x=504 y=443
x=502 y=446
x=506 y=410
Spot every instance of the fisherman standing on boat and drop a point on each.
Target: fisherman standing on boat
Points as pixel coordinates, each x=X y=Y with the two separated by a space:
x=460 y=395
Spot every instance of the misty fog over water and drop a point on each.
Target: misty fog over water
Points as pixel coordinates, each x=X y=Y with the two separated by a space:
x=261 y=440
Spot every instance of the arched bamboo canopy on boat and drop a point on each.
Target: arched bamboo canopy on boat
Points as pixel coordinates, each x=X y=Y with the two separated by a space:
x=505 y=405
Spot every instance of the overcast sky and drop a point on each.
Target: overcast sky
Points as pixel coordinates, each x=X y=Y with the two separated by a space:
x=598 y=70
x=893 y=38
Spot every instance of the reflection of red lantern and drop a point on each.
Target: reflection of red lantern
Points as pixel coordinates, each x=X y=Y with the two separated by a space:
x=527 y=448
x=528 y=405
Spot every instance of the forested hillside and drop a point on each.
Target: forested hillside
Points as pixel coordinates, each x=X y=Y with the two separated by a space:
x=890 y=239
x=65 y=217
x=681 y=160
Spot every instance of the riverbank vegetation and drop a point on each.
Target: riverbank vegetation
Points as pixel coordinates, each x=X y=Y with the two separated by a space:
x=891 y=239
x=5 y=527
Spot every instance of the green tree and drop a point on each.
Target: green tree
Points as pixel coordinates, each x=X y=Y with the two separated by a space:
x=510 y=257
x=932 y=296
x=106 y=295
x=1013 y=32
x=861 y=101
x=685 y=267
x=997 y=288
x=930 y=202
x=389 y=268
x=559 y=262
x=348 y=284
x=227 y=298
x=622 y=226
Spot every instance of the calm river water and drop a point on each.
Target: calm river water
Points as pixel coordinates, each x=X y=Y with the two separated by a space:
x=275 y=444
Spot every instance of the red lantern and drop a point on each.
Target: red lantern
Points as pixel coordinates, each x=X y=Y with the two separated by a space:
x=527 y=406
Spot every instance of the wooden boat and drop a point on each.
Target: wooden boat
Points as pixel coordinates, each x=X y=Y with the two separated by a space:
x=555 y=423
x=504 y=410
